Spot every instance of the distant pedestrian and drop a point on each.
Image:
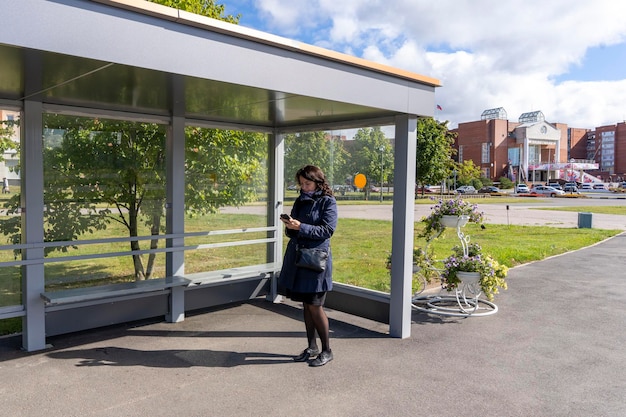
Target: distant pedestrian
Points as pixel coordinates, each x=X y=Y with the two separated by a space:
x=5 y=186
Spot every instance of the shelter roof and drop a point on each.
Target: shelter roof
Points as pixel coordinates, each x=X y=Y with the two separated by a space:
x=132 y=57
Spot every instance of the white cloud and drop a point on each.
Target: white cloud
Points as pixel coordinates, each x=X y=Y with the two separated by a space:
x=289 y=18
x=487 y=53
x=344 y=30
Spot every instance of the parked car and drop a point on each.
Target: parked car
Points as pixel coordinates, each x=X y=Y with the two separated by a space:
x=586 y=187
x=341 y=189
x=623 y=185
x=426 y=189
x=598 y=186
x=522 y=189
x=466 y=189
x=555 y=185
x=545 y=190
x=571 y=188
x=490 y=189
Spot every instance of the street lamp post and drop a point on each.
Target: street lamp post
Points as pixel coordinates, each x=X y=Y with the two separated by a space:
x=382 y=166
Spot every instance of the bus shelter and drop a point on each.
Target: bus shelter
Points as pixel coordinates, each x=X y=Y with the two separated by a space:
x=176 y=75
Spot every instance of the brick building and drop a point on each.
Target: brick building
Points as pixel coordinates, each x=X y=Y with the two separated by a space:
x=534 y=150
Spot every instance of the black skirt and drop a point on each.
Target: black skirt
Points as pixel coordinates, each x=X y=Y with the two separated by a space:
x=314 y=298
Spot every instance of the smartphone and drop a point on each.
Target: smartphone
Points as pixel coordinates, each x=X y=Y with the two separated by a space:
x=285 y=216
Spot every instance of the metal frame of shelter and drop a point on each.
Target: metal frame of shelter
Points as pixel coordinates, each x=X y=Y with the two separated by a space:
x=77 y=57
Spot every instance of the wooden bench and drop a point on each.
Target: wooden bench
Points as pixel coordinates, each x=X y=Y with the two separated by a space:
x=76 y=295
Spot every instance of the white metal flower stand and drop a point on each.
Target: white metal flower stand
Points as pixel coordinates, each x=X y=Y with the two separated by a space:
x=465 y=301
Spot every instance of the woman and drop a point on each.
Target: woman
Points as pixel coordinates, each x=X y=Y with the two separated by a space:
x=312 y=223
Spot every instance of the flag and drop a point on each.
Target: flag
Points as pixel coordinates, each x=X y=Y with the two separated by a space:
x=439 y=107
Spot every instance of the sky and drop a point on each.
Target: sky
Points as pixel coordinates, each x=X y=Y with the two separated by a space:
x=565 y=58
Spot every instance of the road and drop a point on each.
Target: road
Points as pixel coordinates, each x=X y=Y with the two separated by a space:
x=526 y=212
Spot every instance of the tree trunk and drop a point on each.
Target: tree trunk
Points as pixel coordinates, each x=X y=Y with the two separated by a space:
x=134 y=245
x=154 y=243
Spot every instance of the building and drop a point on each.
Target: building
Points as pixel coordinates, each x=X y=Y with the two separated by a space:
x=9 y=160
x=608 y=144
x=536 y=151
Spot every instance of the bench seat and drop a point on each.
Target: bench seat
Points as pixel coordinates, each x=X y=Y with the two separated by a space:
x=219 y=276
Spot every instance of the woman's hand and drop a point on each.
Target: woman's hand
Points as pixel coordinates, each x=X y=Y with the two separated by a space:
x=291 y=223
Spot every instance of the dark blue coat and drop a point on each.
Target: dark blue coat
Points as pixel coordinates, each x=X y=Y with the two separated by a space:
x=318 y=218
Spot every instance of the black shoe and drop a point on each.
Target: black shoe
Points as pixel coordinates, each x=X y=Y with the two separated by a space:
x=323 y=358
x=306 y=354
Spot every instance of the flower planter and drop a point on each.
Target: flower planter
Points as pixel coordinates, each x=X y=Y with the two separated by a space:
x=454 y=221
x=467 y=286
x=471 y=278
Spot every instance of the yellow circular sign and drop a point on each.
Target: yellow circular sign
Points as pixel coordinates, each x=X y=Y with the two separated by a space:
x=360 y=180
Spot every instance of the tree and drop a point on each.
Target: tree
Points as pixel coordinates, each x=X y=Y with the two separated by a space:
x=12 y=224
x=208 y=8
x=314 y=148
x=372 y=155
x=223 y=168
x=7 y=143
x=467 y=173
x=434 y=152
x=96 y=162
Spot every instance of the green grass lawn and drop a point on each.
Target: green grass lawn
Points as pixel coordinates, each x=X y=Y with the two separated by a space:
x=360 y=247
x=591 y=209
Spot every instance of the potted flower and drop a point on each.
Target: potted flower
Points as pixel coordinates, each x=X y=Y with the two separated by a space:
x=422 y=265
x=489 y=273
x=459 y=210
x=421 y=260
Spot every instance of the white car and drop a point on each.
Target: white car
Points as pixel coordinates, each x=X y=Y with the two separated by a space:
x=466 y=189
x=522 y=188
x=545 y=190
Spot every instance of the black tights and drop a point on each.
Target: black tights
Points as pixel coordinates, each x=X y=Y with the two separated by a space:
x=315 y=319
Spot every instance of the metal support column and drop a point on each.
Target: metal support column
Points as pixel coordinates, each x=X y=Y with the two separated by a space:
x=276 y=190
x=175 y=205
x=402 y=229
x=276 y=196
x=32 y=204
x=33 y=277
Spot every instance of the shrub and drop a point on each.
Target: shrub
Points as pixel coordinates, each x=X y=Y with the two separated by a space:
x=505 y=183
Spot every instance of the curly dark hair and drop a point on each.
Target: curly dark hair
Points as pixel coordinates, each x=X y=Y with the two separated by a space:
x=315 y=174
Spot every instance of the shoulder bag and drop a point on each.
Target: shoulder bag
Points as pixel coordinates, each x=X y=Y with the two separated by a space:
x=311 y=258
